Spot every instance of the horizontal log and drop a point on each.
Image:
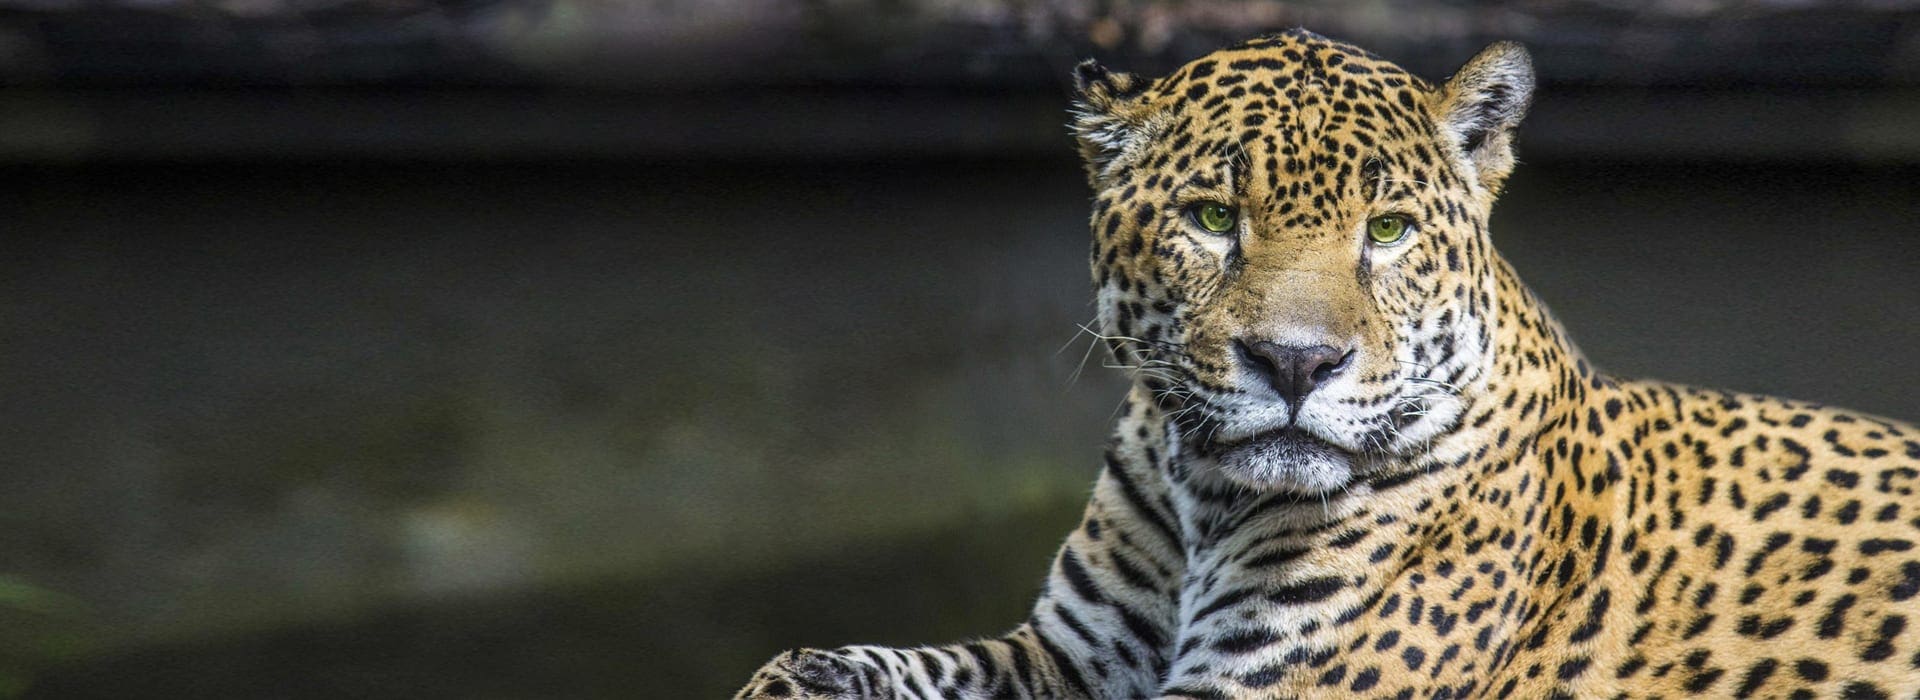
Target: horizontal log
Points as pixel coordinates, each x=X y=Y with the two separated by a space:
x=998 y=43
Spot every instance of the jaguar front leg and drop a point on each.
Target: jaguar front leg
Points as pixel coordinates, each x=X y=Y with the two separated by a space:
x=1019 y=665
x=1102 y=627
x=808 y=674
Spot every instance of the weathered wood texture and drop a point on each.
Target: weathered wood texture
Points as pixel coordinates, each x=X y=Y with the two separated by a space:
x=997 y=43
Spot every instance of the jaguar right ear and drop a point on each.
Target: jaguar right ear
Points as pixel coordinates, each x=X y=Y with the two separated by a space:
x=1482 y=105
x=1109 y=116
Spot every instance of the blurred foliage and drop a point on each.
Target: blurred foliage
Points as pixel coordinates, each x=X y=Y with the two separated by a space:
x=306 y=399
x=22 y=596
x=38 y=627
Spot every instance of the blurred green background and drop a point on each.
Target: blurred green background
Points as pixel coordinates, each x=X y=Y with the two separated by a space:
x=510 y=349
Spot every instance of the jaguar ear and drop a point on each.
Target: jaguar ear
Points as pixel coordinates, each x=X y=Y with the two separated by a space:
x=1109 y=116
x=1482 y=104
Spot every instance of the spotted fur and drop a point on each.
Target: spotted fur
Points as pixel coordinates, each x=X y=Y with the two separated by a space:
x=1466 y=509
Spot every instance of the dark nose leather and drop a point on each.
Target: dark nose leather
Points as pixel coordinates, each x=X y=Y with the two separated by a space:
x=1294 y=371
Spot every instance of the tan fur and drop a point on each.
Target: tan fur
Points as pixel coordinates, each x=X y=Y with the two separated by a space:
x=1496 y=519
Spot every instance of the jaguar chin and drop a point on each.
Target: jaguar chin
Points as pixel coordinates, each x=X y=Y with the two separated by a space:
x=1287 y=459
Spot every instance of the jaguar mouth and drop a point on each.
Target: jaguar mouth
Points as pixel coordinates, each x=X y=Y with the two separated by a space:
x=1287 y=459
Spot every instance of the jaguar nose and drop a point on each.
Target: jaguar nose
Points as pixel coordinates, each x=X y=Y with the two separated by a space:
x=1293 y=371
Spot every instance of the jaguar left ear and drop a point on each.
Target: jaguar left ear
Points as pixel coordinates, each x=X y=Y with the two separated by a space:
x=1108 y=116
x=1482 y=104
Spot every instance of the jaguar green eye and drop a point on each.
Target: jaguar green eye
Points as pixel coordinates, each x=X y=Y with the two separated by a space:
x=1214 y=216
x=1388 y=229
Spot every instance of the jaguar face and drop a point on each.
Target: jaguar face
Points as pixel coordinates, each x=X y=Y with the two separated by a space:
x=1290 y=248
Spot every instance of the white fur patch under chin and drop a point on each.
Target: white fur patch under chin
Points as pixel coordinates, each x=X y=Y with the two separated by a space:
x=1296 y=464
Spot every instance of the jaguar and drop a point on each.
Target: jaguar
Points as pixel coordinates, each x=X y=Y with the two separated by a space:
x=1359 y=458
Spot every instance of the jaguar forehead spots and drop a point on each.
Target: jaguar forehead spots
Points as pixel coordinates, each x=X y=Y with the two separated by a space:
x=1360 y=459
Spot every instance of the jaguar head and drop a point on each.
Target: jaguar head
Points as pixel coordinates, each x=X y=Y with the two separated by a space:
x=1291 y=251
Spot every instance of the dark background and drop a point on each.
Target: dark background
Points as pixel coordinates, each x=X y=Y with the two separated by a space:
x=522 y=349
